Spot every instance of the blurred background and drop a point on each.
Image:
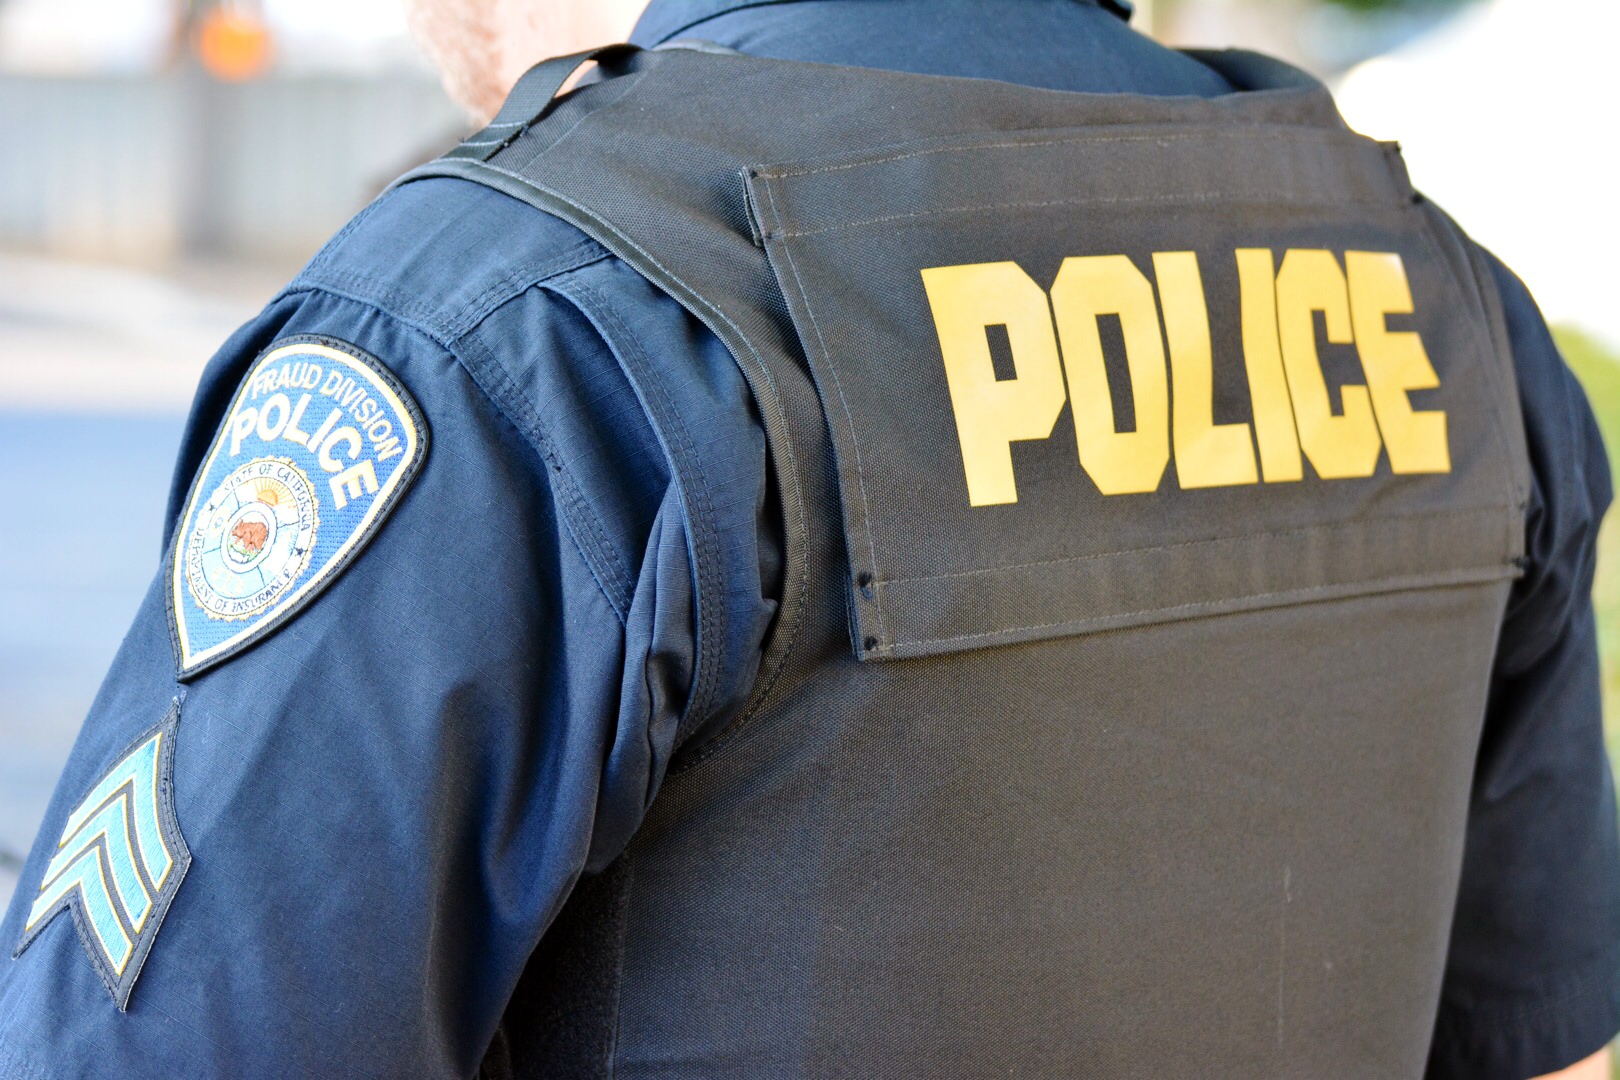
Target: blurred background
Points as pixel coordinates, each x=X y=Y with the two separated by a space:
x=166 y=165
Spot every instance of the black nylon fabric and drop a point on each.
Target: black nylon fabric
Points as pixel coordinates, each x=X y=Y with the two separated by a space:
x=946 y=575
x=1221 y=791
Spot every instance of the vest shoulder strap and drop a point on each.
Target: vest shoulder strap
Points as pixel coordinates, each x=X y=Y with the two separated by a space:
x=1276 y=364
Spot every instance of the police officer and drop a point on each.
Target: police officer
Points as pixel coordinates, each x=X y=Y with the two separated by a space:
x=1018 y=553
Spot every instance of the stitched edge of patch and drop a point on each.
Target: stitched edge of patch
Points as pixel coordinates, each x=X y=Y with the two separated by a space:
x=325 y=575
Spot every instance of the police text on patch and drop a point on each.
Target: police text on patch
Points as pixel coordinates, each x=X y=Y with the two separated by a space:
x=317 y=447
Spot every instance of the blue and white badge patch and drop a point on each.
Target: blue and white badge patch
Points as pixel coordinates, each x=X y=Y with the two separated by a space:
x=119 y=862
x=318 y=446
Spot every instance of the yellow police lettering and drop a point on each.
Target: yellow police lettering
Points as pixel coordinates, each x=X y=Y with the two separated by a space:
x=1293 y=417
x=991 y=413
x=1207 y=454
x=1396 y=363
x=1340 y=446
x=1262 y=360
x=1119 y=462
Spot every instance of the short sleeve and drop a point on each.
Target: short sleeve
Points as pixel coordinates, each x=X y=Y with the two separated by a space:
x=1532 y=982
x=332 y=851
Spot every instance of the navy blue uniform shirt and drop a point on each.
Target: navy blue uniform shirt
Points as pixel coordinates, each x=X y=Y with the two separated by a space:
x=456 y=688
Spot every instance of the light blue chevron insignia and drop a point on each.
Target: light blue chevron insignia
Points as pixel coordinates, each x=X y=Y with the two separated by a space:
x=119 y=862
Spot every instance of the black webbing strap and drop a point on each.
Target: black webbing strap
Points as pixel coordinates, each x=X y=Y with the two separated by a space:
x=531 y=99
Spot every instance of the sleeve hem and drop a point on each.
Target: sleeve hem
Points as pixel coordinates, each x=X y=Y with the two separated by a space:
x=1498 y=1044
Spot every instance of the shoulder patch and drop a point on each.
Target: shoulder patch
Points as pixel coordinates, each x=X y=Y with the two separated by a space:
x=119 y=862
x=317 y=447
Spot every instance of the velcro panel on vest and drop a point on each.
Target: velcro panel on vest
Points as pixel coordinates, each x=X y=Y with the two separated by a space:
x=1087 y=379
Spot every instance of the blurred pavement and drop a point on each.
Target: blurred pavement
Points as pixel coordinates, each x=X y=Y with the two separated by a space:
x=97 y=366
x=84 y=337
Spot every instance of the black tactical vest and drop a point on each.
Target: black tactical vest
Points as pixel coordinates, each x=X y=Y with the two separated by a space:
x=1152 y=483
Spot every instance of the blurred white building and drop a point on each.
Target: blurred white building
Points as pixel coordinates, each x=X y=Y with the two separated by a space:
x=1507 y=116
x=81 y=37
x=114 y=144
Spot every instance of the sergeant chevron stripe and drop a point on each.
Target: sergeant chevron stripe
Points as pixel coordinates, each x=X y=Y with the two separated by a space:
x=119 y=862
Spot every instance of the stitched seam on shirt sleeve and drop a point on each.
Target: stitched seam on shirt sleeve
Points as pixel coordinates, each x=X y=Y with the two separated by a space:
x=1523 y=1038
x=1517 y=1016
x=697 y=505
x=448 y=327
x=581 y=524
x=1467 y=1019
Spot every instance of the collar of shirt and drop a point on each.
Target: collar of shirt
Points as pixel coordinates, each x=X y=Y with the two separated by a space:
x=666 y=20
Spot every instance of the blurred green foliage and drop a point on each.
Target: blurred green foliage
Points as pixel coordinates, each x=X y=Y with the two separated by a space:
x=1598 y=368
